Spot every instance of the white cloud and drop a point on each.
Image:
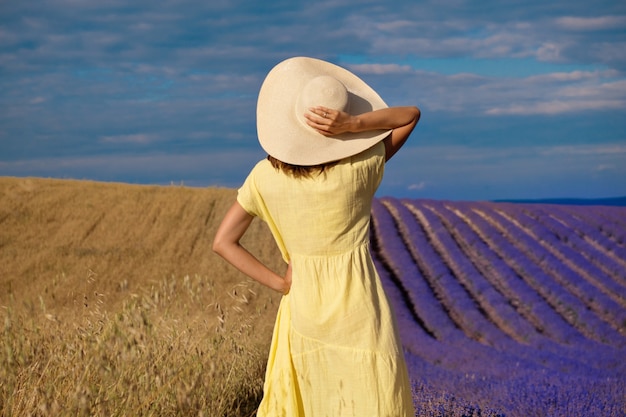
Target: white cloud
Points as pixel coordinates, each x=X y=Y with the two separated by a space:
x=137 y=138
x=561 y=93
x=576 y=75
x=604 y=149
x=380 y=69
x=395 y=25
x=605 y=167
x=556 y=107
x=549 y=52
x=591 y=23
x=417 y=187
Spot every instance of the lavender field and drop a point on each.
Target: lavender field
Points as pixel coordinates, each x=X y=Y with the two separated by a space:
x=508 y=309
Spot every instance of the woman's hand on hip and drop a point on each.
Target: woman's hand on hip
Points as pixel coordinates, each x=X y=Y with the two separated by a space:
x=287 y=280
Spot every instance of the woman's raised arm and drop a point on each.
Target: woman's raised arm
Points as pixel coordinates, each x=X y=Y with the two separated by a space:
x=401 y=120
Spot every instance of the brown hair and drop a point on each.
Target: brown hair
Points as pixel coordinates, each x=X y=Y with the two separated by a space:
x=299 y=171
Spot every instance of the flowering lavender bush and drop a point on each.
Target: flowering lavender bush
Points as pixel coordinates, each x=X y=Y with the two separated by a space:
x=507 y=309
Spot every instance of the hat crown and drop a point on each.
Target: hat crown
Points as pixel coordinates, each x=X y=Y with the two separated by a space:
x=322 y=90
x=326 y=91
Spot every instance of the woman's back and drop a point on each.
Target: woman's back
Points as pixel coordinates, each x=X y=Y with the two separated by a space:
x=325 y=214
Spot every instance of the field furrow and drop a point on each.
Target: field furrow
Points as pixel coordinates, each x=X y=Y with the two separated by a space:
x=495 y=256
x=567 y=341
x=556 y=284
x=601 y=219
x=614 y=215
x=426 y=310
x=594 y=236
x=564 y=253
x=426 y=236
x=465 y=257
x=578 y=302
x=567 y=234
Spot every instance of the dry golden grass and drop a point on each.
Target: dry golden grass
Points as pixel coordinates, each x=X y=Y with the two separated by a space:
x=112 y=302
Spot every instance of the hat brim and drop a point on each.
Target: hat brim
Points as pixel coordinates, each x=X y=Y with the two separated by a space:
x=281 y=132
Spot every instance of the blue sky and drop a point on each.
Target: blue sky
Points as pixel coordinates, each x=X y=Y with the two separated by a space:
x=519 y=99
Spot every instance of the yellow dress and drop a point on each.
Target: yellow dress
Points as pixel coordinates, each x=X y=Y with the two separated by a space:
x=335 y=349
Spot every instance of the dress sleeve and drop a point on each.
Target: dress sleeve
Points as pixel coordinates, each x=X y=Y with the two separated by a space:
x=378 y=164
x=248 y=195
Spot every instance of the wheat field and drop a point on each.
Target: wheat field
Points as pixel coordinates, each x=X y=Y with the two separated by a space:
x=112 y=302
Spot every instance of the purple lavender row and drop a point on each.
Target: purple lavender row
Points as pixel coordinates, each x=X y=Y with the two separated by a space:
x=496 y=255
x=525 y=256
x=456 y=351
x=610 y=220
x=549 y=255
x=609 y=235
x=616 y=215
x=436 y=272
x=418 y=344
x=515 y=388
x=610 y=249
x=599 y=217
x=570 y=250
x=570 y=295
x=555 y=325
x=425 y=355
x=550 y=354
x=422 y=323
x=566 y=255
x=425 y=307
x=428 y=240
x=539 y=395
x=525 y=394
x=611 y=269
x=615 y=233
x=462 y=246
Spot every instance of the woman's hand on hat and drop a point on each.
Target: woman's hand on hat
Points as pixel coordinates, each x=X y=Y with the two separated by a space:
x=327 y=121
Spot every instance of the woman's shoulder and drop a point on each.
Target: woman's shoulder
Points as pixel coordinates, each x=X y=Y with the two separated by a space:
x=372 y=155
x=263 y=167
x=257 y=175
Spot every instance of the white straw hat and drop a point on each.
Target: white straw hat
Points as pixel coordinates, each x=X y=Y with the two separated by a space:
x=297 y=84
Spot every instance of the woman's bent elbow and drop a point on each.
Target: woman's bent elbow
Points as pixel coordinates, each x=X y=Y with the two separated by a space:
x=417 y=113
x=218 y=247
